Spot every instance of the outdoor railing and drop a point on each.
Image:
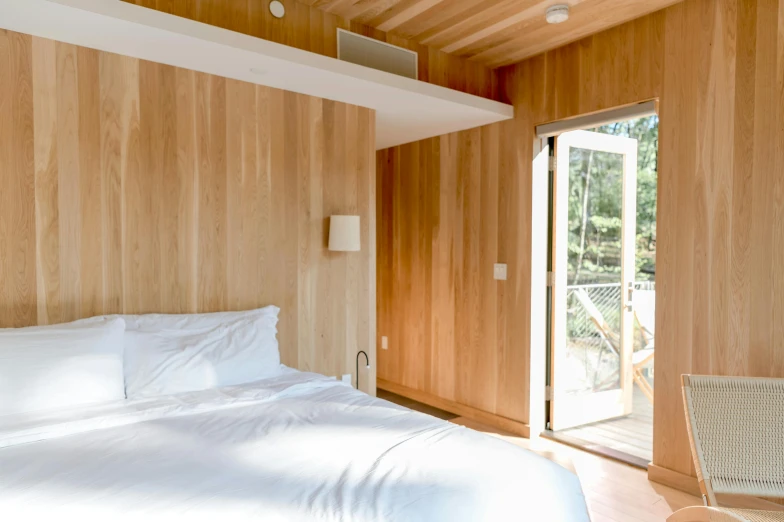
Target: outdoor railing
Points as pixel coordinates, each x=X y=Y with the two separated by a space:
x=590 y=360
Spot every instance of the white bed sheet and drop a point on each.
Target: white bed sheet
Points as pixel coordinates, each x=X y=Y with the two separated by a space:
x=292 y=448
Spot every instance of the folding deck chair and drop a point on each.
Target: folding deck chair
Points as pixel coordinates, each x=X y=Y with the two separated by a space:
x=612 y=341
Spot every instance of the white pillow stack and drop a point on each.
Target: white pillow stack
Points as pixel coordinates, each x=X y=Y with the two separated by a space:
x=60 y=366
x=109 y=358
x=199 y=354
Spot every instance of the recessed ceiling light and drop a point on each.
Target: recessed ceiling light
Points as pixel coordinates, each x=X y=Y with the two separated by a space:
x=557 y=13
x=256 y=70
x=277 y=8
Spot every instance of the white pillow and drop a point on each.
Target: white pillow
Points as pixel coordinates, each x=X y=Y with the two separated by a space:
x=164 y=362
x=60 y=366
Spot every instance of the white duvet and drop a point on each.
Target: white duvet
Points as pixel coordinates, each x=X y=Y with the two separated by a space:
x=293 y=448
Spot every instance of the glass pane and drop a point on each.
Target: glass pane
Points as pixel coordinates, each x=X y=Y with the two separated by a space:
x=593 y=322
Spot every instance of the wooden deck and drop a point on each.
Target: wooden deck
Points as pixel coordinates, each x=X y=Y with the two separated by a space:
x=632 y=435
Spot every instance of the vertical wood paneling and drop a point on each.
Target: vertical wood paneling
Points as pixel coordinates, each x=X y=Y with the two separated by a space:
x=69 y=180
x=278 y=230
x=241 y=194
x=515 y=310
x=442 y=216
x=141 y=192
x=777 y=276
x=442 y=354
x=90 y=301
x=187 y=171
x=18 y=285
x=309 y=201
x=211 y=288
x=133 y=187
x=287 y=225
x=168 y=197
x=366 y=206
x=46 y=180
x=112 y=82
x=352 y=281
x=717 y=69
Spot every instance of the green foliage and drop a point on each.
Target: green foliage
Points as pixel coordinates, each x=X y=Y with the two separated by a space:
x=595 y=217
x=606 y=224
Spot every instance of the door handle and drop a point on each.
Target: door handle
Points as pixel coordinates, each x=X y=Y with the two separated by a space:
x=629 y=305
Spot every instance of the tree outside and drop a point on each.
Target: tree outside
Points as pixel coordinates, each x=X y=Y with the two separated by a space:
x=595 y=183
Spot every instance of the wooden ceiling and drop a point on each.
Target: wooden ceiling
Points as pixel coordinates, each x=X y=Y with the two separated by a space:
x=492 y=32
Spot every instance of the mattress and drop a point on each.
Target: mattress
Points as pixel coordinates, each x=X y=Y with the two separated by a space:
x=295 y=447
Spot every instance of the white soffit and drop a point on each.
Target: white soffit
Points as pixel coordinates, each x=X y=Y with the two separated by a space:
x=406 y=110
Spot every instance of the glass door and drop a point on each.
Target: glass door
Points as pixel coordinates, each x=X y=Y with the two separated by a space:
x=593 y=320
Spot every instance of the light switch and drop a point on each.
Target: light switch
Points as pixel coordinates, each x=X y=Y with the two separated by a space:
x=499 y=271
x=384 y=342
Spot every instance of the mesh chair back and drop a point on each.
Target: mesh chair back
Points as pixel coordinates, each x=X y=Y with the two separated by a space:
x=736 y=427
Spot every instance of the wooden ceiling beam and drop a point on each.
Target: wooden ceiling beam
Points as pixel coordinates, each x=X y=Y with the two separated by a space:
x=468 y=22
x=453 y=10
x=339 y=6
x=534 y=10
x=402 y=13
x=365 y=11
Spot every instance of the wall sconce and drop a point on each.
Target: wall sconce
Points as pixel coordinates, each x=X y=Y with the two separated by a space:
x=344 y=233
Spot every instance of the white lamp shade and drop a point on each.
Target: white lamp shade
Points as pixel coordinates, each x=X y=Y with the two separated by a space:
x=344 y=233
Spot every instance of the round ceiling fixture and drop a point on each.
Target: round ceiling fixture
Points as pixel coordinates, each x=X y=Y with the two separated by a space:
x=557 y=13
x=277 y=8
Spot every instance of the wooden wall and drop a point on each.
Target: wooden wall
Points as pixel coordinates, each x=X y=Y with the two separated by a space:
x=128 y=187
x=445 y=215
x=717 y=68
x=314 y=30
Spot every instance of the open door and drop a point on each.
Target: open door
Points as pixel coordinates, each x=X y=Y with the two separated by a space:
x=580 y=395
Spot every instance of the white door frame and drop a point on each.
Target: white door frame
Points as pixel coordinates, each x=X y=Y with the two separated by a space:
x=568 y=410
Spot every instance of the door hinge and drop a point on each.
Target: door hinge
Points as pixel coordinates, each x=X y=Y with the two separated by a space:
x=548 y=393
x=551 y=163
x=550 y=279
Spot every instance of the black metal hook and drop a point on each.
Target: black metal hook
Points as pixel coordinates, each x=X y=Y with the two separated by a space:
x=367 y=360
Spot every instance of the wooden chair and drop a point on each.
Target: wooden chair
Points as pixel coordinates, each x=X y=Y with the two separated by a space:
x=612 y=341
x=736 y=431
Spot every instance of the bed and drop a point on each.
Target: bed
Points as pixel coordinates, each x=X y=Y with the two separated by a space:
x=294 y=446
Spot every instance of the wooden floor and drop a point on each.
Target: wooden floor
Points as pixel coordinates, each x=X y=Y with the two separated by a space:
x=614 y=491
x=632 y=435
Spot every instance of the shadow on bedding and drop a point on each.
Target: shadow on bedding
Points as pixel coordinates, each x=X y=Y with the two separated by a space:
x=174 y=481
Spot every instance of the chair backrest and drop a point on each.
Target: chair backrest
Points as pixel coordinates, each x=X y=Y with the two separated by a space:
x=605 y=330
x=586 y=302
x=645 y=308
x=736 y=431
